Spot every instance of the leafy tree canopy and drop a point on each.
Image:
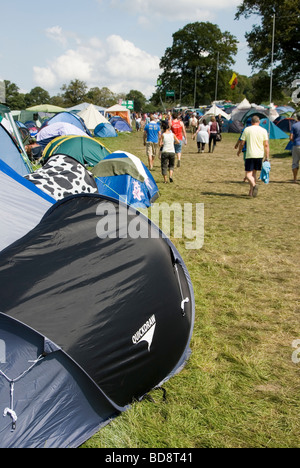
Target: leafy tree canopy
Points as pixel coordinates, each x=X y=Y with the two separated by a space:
x=286 y=43
x=197 y=49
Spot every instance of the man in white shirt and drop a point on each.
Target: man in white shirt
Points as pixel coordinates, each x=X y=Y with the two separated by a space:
x=257 y=140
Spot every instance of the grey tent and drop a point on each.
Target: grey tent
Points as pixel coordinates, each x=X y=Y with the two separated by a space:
x=97 y=309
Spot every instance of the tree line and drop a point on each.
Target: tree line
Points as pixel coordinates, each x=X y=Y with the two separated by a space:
x=198 y=66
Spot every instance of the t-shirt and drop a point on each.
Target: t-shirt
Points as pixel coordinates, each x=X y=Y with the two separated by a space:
x=296 y=134
x=255 y=136
x=152 y=129
x=168 y=143
x=177 y=129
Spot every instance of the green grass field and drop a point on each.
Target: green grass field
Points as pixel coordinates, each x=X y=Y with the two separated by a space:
x=240 y=387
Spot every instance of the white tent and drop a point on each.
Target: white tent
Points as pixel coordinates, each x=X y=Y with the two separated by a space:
x=92 y=117
x=215 y=110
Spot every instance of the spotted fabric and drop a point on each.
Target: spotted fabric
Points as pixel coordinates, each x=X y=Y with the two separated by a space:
x=63 y=176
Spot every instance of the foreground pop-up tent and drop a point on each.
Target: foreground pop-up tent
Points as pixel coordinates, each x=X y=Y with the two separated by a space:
x=97 y=309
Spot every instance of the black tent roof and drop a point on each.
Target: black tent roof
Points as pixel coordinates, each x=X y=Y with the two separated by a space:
x=111 y=302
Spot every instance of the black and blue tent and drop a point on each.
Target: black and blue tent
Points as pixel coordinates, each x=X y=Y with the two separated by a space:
x=97 y=309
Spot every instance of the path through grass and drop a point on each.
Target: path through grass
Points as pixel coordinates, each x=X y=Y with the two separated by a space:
x=240 y=387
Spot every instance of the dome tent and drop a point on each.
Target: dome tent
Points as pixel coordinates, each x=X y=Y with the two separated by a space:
x=123 y=176
x=105 y=130
x=84 y=149
x=120 y=124
x=138 y=304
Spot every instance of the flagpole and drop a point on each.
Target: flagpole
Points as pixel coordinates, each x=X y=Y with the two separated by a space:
x=272 y=66
x=217 y=77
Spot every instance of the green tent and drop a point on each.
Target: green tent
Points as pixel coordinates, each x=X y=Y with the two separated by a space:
x=85 y=150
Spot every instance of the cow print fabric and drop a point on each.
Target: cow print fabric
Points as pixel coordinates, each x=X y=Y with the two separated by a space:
x=63 y=176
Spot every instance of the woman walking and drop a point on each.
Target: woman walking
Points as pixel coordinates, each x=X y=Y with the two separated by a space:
x=213 y=132
x=202 y=135
x=167 y=143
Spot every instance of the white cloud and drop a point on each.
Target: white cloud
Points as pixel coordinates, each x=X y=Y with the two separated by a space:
x=115 y=63
x=55 y=33
x=177 y=10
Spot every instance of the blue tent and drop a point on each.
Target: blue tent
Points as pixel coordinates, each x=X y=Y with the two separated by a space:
x=120 y=124
x=69 y=118
x=275 y=132
x=11 y=154
x=105 y=130
x=123 y=176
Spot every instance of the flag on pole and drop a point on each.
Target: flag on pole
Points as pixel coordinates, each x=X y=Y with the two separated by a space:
x=233 y=82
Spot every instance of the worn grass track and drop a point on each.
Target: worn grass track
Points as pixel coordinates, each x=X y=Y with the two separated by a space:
x=240 y=387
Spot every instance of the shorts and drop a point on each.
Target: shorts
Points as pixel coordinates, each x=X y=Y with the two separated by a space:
x=253 y=164
x=167 y=162
x=178 y=147
x=151 y=149
x=296 y=157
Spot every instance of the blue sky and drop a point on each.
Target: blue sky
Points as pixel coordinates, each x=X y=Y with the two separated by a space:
x=112 y=43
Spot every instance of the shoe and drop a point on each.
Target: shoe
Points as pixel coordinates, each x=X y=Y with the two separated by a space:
x=171 y=180
x=178 y=163
x=255 y=191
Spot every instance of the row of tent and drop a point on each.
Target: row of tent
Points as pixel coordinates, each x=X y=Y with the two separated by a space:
x=102 y=123
x=93 y=315
x=277 y=121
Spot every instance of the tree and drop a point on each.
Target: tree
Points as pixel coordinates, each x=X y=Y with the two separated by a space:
x=14 y=99
x=37 y=96
x=138 y=98
x=191 y=63
x=103 y=97
x=287 y=33
x=74 y=93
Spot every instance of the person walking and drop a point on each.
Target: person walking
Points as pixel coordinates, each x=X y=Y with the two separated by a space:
x=213 y=132
x=167 y=141
x=152 y=134
x=202 y=135
x=257 y=140
x=178 y=128
x=193 y=123
x=295 y=138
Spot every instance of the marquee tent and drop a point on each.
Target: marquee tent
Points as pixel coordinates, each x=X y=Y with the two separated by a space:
x=97 y=309
x=120 y=111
